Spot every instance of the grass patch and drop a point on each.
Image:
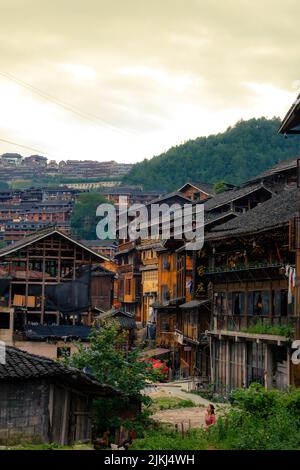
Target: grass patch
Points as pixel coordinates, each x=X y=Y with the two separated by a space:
x=170 y=403
x=166 y=438
x=52 y=446
x=258 y=419
x=265 y=328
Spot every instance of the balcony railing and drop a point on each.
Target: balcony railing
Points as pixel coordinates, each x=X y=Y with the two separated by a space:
x=279 y=325
x=246 y=271
x=242 y=267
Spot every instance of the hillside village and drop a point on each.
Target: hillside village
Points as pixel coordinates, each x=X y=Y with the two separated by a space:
x=217 y=319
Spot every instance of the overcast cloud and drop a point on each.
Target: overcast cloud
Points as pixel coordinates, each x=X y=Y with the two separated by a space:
x=143 y=75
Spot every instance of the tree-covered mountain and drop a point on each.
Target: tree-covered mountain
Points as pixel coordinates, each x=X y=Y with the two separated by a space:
x=236 y=155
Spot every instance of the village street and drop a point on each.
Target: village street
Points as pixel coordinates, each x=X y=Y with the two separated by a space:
x=188 y=416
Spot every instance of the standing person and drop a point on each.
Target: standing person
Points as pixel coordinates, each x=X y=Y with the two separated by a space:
x=210 y=417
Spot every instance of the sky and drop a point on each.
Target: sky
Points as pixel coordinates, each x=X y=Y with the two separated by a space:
x=127 y=79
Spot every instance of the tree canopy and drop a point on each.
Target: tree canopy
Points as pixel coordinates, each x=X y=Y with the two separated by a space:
x=234 y=156
x=84 y=219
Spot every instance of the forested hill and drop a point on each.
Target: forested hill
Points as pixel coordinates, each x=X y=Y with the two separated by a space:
x=238 y=154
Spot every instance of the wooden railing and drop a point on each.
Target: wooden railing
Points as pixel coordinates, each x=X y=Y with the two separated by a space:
x=242 y=322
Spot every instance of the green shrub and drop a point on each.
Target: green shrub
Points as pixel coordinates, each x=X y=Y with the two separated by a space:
x=259 y=420
x=265 y=328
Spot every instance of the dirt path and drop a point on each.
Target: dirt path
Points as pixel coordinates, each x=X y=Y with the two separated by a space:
x=190 y=417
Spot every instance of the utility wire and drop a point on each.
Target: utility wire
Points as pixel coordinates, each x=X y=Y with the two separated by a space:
x=90 y=117
x=27 y=147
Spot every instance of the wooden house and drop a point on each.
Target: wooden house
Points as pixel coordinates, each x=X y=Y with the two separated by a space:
x=42 y=401
x=149 y=278
x=279 y=176
x=197 y=191
x=50 y=280
x=249 y=278
x=129 y=278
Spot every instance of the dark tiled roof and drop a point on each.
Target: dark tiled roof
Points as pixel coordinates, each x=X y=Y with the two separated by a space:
x=21 y=365
x=226 y=197
x=274 y=212
x=173 y=195
x=284 y=165
x=125 y=319
x=291 y=121
x=42 y=332
x=205 y=187
x=194 y=304
x=212 y=218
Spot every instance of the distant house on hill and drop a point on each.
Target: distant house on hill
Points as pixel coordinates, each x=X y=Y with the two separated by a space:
x=42 y=401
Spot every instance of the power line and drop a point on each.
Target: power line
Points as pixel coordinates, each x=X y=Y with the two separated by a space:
x=26 y=147
x=88 y=116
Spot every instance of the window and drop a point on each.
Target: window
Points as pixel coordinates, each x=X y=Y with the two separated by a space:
x=128 y=283
x=220 y=303
x=63 y=351
x=165 y=294
x=258 y=303
x=238 y=303
x=4 y=321
x=165 y=327
x=165 y=263
x=280 y=302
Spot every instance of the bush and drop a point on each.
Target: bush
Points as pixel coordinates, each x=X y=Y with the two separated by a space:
x=169 y=403
x=168 y=439
x=259 y=420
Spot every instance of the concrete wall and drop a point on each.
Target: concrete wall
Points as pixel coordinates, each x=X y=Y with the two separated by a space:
x=24 y=412
x=42 y=348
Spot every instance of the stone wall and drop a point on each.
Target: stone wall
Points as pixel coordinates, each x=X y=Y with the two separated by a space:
x=24 y=415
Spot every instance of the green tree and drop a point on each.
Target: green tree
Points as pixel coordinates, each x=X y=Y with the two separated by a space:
x=235 y=156
x=220 y=187
x=111 y=363
x=108 y=360
x=84 y=219
x=4 y=185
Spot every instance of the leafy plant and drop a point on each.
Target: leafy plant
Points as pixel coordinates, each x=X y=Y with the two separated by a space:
x=266 y=328
x=108 y=360
x=236 y=155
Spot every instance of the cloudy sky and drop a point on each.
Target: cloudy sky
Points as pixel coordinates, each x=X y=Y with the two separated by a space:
x=127 y=79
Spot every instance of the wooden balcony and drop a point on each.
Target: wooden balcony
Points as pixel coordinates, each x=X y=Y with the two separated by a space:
x=246 y=271
x=285 y=325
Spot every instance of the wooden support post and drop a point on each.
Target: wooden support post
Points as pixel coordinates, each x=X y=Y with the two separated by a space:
x=245 y=379
x=26 y=283
x=43 y=286
x=65 y=420
x=268 y=367
x=59 y=262
x=227 y=366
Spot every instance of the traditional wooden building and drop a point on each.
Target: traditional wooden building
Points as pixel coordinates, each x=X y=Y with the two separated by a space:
x=125 y=322
x=129 y=278
x=50 y=280
x=42 y=401
x=232 y=203
x=149 y=271
x=197 y=191
x=291 y=126
x=249 y=279
x=279 y=176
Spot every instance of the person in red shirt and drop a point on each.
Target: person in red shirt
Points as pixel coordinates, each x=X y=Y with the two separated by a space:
x=210 y=417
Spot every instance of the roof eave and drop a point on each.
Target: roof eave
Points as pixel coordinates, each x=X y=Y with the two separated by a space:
x=291 y=119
